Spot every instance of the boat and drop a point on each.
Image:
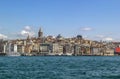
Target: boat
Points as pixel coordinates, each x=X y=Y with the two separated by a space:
x=117 y=50
x=13 y=54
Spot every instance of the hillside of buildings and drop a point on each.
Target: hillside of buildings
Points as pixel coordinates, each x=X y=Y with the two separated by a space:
x=41 y=45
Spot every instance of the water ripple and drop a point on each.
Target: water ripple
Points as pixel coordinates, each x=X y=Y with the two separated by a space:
x=80 y=67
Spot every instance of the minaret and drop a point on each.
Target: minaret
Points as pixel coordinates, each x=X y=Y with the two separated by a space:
x=40 y=33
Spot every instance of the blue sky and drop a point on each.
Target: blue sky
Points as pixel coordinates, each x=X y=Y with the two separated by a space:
x=94 y=19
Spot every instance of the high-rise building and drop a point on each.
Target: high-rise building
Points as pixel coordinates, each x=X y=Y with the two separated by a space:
x=40 y=33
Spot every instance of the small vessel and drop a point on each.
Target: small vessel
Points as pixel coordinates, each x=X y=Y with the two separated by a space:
x=117 y=50
x=13 y=54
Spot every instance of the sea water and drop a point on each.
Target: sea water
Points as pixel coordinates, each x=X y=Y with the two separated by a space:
x=63 y=67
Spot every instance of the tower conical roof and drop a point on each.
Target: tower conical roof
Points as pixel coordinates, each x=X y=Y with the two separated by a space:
x=40 y=30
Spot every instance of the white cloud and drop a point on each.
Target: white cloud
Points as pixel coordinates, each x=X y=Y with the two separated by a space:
x=86 y=29
x=27 y=28
x=3 y=36
x=108 y=39
x=27 y=31
x=24 y=32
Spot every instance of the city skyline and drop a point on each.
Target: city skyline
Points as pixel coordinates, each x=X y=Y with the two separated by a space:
x=95 y=20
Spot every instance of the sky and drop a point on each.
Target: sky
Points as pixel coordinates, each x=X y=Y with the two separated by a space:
x=93 y=19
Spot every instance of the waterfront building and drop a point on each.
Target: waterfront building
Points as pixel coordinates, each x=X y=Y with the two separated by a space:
x=77 y=50
x=1 y=46
x=85 y=49
x=96 y=51
x=60 y=49
x=68 y=49
x=28 y=49
x=109 y=52
x=21 y=48
x=5 y=47
x=13 y=48
x=57 y=49
x=44 y=49
x=35 y=47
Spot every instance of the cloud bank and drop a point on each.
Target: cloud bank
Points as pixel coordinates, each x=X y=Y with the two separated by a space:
x=3 y=36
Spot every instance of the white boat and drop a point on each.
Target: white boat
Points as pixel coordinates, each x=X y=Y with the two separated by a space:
x=13 y=54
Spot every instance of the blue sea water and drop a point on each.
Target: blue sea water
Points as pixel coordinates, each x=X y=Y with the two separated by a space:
x=63 y=67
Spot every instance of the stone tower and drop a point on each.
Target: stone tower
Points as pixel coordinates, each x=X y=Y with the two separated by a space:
x=40 y=33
